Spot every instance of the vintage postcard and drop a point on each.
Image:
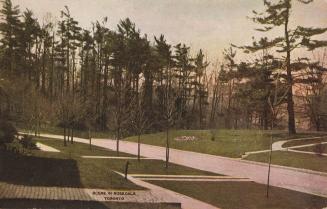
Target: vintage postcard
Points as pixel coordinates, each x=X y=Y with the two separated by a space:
x=163 y=104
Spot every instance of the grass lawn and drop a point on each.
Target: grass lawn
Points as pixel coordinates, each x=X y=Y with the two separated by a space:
x=230 y=143
x=79 y=149
x=62 y=169
x=148 y=167
x=297 y=160
x=304 y=142
x=77 y=133
x=68 y=169
x=323 y=148
x=135 y=167
x=247 y=195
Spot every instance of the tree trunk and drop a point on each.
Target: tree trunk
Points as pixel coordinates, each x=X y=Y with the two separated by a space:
x=290 y=102
x=65 y=136
x=117 y=141
x=43 y=69
x=72 y=136
x=50 y=85
x=89 y=135
x=167 y=146
x=139 y=147
x=265 y=117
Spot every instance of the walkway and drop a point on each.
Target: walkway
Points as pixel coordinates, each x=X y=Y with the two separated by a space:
x=302 y=180
x=46 y=148
x=187 y=202
x=115 y=157
x=278 y=146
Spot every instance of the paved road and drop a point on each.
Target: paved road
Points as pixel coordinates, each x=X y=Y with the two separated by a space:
x=290 y=178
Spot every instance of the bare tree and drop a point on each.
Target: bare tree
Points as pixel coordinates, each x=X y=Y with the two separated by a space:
x=139 y=121
x=121 y=111
x=313 y=90
x=169 y=110
x=277 y=100
x=69 y=113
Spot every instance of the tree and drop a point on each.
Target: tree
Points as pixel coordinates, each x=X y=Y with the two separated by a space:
x=257 y=76
x=10 y=29
x=216 y=89
x=170 y=110
x=278 y=14
x=164 y=63
x=227 y=76
x=274 y=100
x=313 y=90
x=183 y=68
x=69 y=114
x=31 y=30
x=200 y=88
x=139 y=121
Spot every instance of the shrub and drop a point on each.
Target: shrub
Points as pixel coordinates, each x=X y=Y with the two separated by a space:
x=27 y=142
x=14 y=146
x=7 y=132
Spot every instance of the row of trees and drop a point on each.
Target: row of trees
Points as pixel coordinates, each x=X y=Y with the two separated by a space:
x=271 y=74
x=118 y=79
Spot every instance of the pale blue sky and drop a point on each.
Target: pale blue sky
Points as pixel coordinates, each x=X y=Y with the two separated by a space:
x=208 y=24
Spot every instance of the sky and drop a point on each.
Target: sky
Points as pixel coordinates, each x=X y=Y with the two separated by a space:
x=211 y=25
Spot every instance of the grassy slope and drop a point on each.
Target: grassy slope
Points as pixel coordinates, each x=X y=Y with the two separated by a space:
x=65 y=169
x=314 y=149
x=135 y=167
x=79 y=149
x=297 y=160
x=98 y=173
x=77 y=133
x=230 y=143
x=248 y=195
x=303 y=142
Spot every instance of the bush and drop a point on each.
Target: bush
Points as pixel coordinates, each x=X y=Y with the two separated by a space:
x=7 y=132
x=14 y=146
x=27 y=142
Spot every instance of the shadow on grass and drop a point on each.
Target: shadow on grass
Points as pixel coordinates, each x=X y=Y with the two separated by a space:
x=37 y=171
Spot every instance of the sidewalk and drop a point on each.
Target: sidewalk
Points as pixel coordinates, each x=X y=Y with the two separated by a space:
x=284 y=177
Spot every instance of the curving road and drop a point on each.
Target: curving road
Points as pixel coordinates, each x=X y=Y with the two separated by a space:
x=290 y=178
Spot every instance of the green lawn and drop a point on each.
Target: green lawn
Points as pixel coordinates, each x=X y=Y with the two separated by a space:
x=135 y=167
x=315 y=148
x=64 y=169
x=68 y=169
x=248 y=195
x=297 y=160
x=230 y=143
x=147 y=167
x=304 y=142
x=78 y=149
x=77 y=133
